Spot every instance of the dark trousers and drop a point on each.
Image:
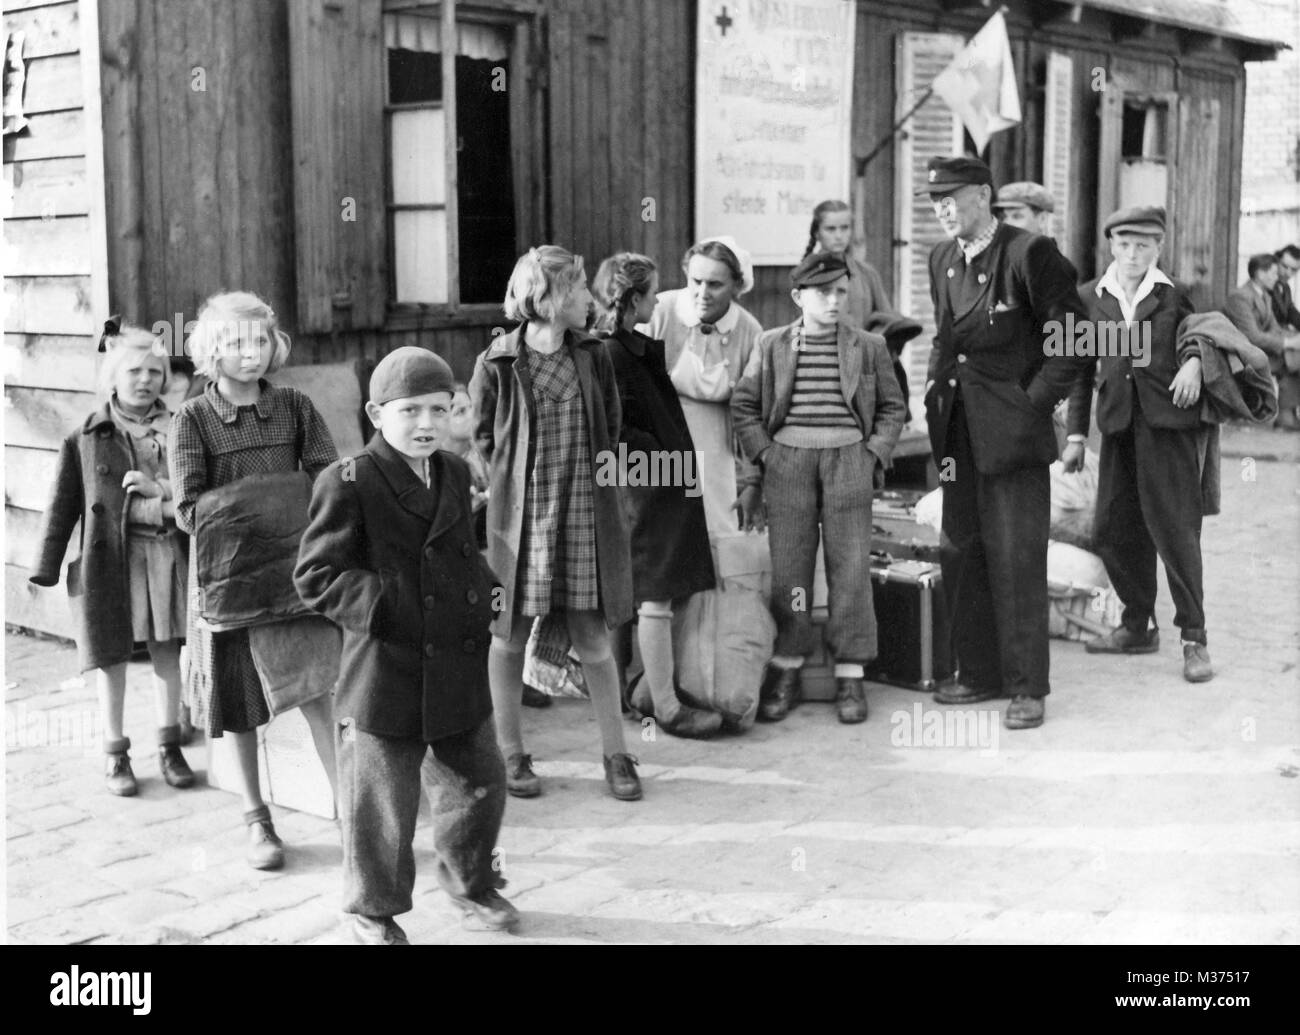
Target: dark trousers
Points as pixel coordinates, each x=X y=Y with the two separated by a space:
x=379 y=797
x=1149 y=505
x=802 y=487
x=994 y=558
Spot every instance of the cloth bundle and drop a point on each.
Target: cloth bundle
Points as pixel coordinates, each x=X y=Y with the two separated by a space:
x=245 y=549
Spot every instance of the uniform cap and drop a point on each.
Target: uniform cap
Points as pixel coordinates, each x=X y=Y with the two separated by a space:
x=945 y=175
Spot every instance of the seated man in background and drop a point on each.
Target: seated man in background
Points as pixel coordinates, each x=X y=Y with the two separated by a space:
x=1288 y=258
x=1250 y=308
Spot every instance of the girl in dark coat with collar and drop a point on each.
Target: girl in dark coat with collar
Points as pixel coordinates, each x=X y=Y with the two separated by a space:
x=128 y=584
x=670 y=540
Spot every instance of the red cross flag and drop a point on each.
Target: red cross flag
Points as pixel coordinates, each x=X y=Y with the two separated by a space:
x=980 y=84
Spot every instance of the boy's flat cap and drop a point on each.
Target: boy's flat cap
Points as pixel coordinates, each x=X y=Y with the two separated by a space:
x=407 y=372
x=1137 y=219
x=818 y=268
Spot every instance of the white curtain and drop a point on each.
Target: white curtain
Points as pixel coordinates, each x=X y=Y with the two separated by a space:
x=424 y=33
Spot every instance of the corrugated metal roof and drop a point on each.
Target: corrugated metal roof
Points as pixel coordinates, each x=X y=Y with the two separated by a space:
x=1212 y=16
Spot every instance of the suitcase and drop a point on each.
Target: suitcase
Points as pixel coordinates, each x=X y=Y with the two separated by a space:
x=894 y=529
x=912 y=624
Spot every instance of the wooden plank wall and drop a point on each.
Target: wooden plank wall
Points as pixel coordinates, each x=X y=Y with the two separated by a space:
x=196 y=122
x=620 y=147
x=204 y=177
x=56 y=290
x=1209 y=203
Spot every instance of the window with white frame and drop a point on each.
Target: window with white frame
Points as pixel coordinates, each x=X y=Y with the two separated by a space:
x=433 y=188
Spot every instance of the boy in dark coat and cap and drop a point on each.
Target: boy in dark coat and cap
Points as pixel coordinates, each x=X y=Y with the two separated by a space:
x=1152 y=446
x=820 y=417
x=389 y=555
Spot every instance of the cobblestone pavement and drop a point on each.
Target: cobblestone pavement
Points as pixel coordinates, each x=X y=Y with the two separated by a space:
x=1146 y=809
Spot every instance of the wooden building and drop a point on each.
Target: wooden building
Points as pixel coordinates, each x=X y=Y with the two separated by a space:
x=324 y=154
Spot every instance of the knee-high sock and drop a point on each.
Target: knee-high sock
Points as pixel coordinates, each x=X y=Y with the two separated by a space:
x=655 y=638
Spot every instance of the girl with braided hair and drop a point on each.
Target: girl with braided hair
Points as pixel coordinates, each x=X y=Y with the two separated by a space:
x=670 y=538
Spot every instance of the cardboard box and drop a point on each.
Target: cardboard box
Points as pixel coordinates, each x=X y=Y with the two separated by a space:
x=289 y=769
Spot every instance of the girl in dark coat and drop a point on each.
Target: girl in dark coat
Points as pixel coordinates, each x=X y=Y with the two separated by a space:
x=129 y=582
x=545 y=399
x=670 y=540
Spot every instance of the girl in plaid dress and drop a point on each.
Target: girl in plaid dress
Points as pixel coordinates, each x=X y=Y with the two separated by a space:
x=546 y=401
x=241 y=426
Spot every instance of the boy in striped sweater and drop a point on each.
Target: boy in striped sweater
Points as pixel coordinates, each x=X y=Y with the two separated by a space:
x=820 y=417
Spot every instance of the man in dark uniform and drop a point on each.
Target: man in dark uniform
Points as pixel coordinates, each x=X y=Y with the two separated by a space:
x=997 y=291
x=1149 y=483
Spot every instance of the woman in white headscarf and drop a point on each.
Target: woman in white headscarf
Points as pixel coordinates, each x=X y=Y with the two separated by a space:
x=709 y=344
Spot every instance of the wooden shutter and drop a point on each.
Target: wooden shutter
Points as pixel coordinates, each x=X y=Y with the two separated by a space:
x=1057 y=152
x=336 y=80
x=1108 y=160
x=1196 y=253
x=932 y=130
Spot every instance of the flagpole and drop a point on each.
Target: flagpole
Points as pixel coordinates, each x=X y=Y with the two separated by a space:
x=862 y=162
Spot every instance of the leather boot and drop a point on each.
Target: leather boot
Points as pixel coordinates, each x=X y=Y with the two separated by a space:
x=117 y=768
x=1024 y=713
x=1123 y=640
x=1196 y=663
x=851 y=700
x=175 y=770
x=620 y=773
x=521 y=781
x=377 y=930
x=779 y=694
x=681 y=720
x=265 y=849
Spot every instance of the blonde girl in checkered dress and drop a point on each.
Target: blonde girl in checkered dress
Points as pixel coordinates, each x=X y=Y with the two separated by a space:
x=242 y=426
x=547 y=407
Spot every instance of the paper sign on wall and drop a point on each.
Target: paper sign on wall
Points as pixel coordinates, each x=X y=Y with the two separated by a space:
x=774 y=84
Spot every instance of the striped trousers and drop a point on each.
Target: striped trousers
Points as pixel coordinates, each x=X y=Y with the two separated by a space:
x=805 y=488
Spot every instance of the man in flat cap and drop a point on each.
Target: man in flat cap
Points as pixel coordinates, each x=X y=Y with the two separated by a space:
x=820 y=417
x=1029 y=206
x=990 y=393
x=1152 y=438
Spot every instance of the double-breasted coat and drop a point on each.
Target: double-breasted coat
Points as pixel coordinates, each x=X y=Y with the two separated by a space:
x=989 y=412
x=989 y=339
x=395 y=565
x=670 y=538
x=504 y=419
x=93 y=460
